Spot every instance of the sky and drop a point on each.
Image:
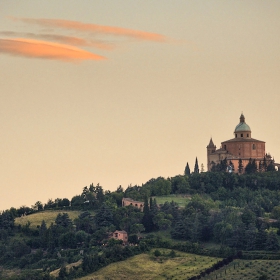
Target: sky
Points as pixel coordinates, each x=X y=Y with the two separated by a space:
x=119 y=92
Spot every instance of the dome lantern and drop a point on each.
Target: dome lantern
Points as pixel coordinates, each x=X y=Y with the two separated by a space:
x=242 y=130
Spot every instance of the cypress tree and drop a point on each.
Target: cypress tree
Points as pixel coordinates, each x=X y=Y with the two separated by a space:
x=187 y=170
x=260 y=166
x=264 y=164
x=147 y=220
x=240 y=166
x=196 y=169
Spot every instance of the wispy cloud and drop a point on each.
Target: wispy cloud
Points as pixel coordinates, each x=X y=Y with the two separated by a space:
x=65 y=47
x=69 y=40
x=89 y=27
x=43 y=49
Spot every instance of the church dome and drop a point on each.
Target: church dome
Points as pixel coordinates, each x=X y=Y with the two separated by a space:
x=242 y=126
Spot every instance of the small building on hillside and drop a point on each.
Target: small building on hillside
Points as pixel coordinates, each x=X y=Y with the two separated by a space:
x=128 y=201
x=120 y=235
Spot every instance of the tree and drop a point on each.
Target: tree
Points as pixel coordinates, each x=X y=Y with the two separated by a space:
x=68 y=240
x=104 y=216
x=202 y=168
x=62 y=272
x=77 y=201
x=63 y=220
x=231 y=165
x=85 y=222
x=264 y=165
x=137 y=228
x=63 y=202
x=272 y=243
x=240 y=166
x=43 y=234
x=196 y=169
x=251 y=167
x=248 y=216
x=270 y=167
x=260 y=166
x=38 y=206
x=187 y=170
x=147 y=220
x=261 y=238
x=6 y=220
x=180 y=184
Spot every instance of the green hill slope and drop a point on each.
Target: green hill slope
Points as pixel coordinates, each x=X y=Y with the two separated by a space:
x=48 y=216
x=146 y=266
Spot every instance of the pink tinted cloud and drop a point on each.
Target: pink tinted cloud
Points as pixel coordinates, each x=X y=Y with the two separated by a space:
x=69 y=40
x=43 y=49
x=76 y=25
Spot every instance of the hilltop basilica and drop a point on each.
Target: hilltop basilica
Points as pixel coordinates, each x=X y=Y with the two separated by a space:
x=241 y=149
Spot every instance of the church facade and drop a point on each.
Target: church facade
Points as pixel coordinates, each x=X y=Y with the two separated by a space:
x=241 y=148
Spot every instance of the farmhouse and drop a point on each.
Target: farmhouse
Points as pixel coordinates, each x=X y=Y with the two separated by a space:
x=120 y=235
x=128 y=201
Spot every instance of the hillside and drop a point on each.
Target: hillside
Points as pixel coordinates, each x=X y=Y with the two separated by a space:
x=48 y=216
x=217 y=214
x=147 y=266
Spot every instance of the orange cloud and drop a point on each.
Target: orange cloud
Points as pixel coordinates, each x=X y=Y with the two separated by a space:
x=69 y=40
x=47 y=50
x=75 y=25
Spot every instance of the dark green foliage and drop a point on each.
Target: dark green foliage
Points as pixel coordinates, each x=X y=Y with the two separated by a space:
x=251 y=167
x=62 y=272
x=180 y=184
x=196 y=168
x=272 y=243
x=19 y=248
x=7 y=220
x=104 y=216
x=270 y=167
x=147 y=220
x=85 y=222
x=158 y=186
x=68 y=240
x=77 y=201
x=63 y=202
x=240 y=166
x=63 y=220
x=187 y=170
x=157 y=253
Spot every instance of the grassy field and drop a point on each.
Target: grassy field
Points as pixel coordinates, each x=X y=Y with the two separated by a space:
x=49 y=217
x=247 y=269
x=182 y=200
x=146 y=266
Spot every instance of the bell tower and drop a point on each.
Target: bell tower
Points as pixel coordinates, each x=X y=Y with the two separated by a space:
x=211 y=149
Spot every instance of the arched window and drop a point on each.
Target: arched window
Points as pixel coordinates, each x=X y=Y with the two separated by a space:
x=254 y=147
x=241 y=134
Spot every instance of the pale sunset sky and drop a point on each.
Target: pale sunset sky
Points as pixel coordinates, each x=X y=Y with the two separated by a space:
x=119 y=92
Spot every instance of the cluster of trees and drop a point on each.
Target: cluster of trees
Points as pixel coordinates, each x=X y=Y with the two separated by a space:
x=252 y=166
x=241 y=229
